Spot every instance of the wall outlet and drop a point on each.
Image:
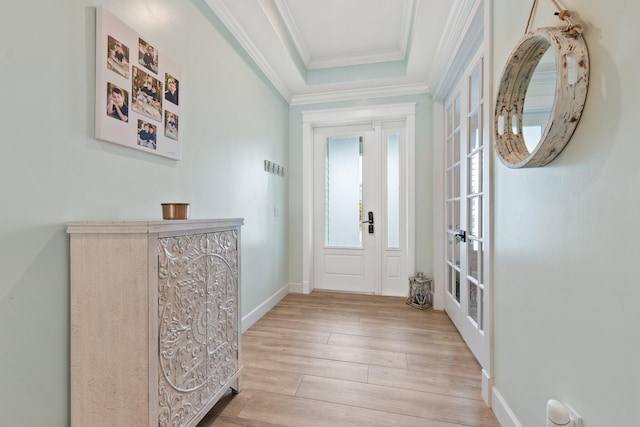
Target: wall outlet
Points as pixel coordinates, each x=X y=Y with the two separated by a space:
x=577 y=419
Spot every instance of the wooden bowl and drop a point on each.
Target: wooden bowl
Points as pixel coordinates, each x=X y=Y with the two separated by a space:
x=175 y=210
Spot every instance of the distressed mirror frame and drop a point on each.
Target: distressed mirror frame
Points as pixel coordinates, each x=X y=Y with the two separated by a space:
x=568 y=102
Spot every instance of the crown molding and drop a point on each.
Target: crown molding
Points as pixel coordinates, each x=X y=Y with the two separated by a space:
x=300 y=91
x=355 y=94
x=285 y=14
x=462 y=22
x=372 y=57
x=226 y=17
x=410 y=17
x=400 y=54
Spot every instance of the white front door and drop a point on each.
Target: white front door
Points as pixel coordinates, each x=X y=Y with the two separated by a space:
x=467 y=210
x=347 y=205
x=388 y=177
x=360 y=226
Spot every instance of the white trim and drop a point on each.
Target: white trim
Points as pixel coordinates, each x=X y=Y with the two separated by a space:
x=226 y=17
x=294 y=32
x=453 y=29
x=307 y=206
x=296 y=288
x=257 y=313
x=502 y=411
x=487 y=384
x=358 y=94
x=457 y=50
x=410 y=17
x=372 y=57
x=489 y=99
x=343 y=116
x=440 y=266
x=410 y=135
x=396 y=54
x=355 y=115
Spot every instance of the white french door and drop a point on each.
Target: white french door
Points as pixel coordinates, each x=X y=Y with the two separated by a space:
x=467 y=210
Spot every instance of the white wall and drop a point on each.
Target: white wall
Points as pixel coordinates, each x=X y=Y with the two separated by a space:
x=424 y=179
x=566 y=237
x=53 y=171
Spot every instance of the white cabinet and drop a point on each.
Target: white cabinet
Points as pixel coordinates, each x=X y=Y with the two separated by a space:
x=154 y=320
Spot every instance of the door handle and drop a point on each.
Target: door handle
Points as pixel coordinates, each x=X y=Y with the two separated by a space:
x=461 y=236
x=369 y=221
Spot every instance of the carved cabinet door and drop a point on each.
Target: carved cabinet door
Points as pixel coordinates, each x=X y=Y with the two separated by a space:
x=222 y=294
x=198 y=334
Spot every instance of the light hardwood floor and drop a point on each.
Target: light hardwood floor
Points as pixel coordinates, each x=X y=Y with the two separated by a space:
x=334 y=359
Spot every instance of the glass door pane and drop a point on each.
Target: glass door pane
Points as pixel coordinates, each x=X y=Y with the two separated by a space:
x=393 y=191
x=453 y=194
x=343 y=191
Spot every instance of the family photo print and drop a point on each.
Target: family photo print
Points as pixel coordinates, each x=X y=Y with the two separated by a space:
x=137 y=90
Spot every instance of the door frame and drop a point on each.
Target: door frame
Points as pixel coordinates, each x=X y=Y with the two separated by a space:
x=347 y=116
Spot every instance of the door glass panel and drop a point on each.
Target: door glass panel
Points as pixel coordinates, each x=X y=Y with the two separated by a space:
x=474 y=89
x=480 y=320
x=449 y=140
x=475 y=172
x=476 y=304
x=475 y=255
x=343 y=191
x=456 y=112
x=456 y=252
x=473 y=301
x=454 y=220
x=455 y=184
x=456 y=146
x=393 y=191
x=475 y=216
x=474 y=132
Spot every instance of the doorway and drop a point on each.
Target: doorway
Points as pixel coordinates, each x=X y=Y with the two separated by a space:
x=359 y=220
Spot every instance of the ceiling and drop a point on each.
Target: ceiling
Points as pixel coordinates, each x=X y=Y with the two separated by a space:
x=322 y=50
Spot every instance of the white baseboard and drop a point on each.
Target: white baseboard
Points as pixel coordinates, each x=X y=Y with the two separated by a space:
x=501 y=409
x=262 y=309
x=296 y=288
x=487 y=385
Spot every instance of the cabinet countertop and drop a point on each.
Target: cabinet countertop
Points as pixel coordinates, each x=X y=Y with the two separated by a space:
x=151 y=226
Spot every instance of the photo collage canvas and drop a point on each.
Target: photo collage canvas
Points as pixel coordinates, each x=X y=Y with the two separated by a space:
x=138 y=102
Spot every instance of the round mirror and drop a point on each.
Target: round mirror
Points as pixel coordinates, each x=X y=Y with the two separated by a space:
x=538 y=101
x=541 y=97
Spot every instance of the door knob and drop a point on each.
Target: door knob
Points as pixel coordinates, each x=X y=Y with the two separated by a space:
x=461 y=236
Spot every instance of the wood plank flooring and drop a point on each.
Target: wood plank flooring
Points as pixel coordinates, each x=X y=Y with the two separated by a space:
x=335 y=359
